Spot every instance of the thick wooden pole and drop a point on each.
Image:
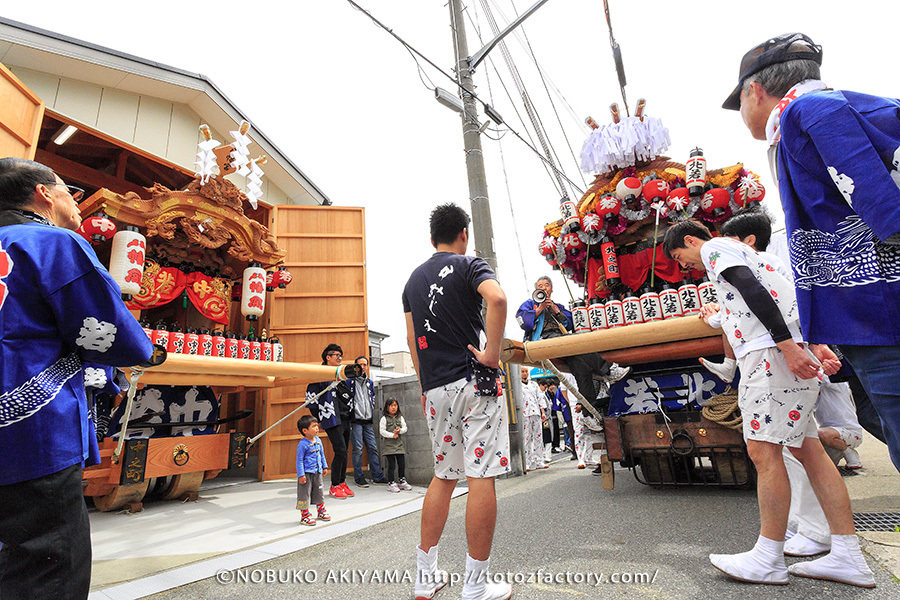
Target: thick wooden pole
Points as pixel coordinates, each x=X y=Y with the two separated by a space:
x=207 y=368
x=632 y=336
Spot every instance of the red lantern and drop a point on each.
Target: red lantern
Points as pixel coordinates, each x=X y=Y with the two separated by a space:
x=572 y=243
x=283 y=277
x=678 y=199
x=270 y=281
x=548 y=249
x=749 y=191
x=590 y=223
x=655 y=190
x=237 y=292
x=608 y=206
x=628 y=191
x=97 y=229
x=715 y=201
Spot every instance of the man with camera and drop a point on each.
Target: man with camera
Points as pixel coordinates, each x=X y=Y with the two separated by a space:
x=542 y=319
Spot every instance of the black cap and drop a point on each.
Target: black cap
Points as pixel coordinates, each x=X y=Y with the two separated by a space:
x=772 y=52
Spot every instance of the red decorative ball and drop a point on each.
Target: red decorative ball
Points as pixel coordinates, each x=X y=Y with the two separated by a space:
x=715 y=201
x=749 y=190
x=655 y=190
x=678 y=199
x=548 y=246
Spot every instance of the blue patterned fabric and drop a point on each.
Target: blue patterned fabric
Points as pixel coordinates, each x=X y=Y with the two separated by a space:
x=59 y=307
x=838 y=177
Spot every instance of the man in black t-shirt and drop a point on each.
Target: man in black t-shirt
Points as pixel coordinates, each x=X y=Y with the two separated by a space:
x=457 y=354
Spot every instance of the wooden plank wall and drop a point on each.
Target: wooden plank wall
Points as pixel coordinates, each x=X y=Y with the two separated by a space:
x=326 y=303
x=21 y=113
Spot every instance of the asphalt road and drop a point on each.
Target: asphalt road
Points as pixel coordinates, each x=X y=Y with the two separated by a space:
x=558 y=531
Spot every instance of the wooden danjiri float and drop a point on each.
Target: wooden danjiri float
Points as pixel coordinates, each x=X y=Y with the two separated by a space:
x=186 y=261
x=639 y=309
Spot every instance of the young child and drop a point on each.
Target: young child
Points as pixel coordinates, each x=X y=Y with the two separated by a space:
x=311 y=466
x=392 y=426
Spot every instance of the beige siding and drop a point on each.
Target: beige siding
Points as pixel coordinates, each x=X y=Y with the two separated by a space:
x=45 y=86
x=118 y=114
x=152 y=131
x=184 y=134
x=79 y=100
x=273 y=194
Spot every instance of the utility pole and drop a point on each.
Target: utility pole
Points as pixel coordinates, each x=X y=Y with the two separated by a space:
x=478 y=194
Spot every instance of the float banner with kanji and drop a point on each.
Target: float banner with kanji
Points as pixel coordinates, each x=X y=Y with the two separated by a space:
x=160 y=285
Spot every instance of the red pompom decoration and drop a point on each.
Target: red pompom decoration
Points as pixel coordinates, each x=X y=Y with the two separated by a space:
x=608 y=206
x=655 y=190
x=678 y=199
x=715 y=201
x=590 y=223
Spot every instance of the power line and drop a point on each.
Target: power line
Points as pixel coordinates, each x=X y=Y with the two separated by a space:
x=409 y=47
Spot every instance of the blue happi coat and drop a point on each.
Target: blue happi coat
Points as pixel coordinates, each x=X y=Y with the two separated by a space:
x=59 y=307
x=839 y=181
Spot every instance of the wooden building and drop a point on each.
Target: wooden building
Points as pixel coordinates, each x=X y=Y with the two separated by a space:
x=136 y=124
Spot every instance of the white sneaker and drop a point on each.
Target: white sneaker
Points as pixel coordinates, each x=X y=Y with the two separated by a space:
x=800 y=545
x=403 y=485
x=723 y=370
x=844 y=564
x=851 y=457
x=616 y=373
x=393 y=487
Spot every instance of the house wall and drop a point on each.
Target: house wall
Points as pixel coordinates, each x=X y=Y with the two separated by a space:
x=166 y=129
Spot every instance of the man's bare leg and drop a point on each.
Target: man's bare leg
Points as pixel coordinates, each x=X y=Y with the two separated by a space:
x=435 y=509
x=481 y=517
x=827 y=484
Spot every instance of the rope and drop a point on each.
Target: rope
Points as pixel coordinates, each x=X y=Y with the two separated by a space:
x=723 y=409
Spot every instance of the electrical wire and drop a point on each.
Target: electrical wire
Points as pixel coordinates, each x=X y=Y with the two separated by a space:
x=462 y=90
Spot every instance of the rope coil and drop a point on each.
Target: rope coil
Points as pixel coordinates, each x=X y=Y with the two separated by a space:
x=723 y=409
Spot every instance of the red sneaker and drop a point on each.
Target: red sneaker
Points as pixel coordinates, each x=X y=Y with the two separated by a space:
x=323 y=515
x=337 y=491
x=347 y=491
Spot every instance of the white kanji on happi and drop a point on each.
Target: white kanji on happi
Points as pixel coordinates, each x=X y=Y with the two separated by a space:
x=96 y=335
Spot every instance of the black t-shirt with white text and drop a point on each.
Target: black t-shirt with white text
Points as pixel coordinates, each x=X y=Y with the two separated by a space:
x=442 y=296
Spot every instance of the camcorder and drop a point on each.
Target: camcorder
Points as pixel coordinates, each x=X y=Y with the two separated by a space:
x=539 y=296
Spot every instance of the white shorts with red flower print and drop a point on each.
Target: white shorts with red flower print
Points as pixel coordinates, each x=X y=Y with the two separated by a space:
x=777 y=406
x=469 y=433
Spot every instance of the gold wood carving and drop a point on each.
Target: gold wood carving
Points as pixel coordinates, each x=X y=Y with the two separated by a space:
x=209 y=216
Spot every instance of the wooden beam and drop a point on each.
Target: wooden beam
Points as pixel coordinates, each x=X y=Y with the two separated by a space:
x=121 y=164
x=69 y=169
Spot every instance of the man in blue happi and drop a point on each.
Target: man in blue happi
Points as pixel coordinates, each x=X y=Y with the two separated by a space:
x=59 y=308
x=837 y=155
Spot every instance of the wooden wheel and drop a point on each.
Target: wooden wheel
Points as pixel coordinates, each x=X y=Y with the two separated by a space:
x=122 y=495
x=184 y=484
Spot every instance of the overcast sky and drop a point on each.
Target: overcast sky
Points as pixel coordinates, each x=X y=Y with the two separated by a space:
x=345 y=101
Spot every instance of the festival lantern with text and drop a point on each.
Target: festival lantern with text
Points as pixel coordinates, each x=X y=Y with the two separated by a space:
x=253 y=300
x=97 y=228
x=270 y=281
x=750 y=191
x=715 y=202
x=548 y=250
x=695 y=173
x=126 y=261
x=283 y=278
x=655 y=190
x=572 y=243
x=678 y=200
x=609 y=206
x=569 y=213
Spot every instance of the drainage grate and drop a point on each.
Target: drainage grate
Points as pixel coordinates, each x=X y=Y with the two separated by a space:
x=876 y=521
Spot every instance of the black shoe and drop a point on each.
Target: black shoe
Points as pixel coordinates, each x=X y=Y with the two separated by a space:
x=361 y=483
x=598 y=471
x=574 y=458
x=554 y=451
x=381 y=481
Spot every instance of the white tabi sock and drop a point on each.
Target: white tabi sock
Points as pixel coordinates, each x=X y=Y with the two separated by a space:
x=845 y=563
x=428 y=578
x=479 y=585
x=763 y=564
